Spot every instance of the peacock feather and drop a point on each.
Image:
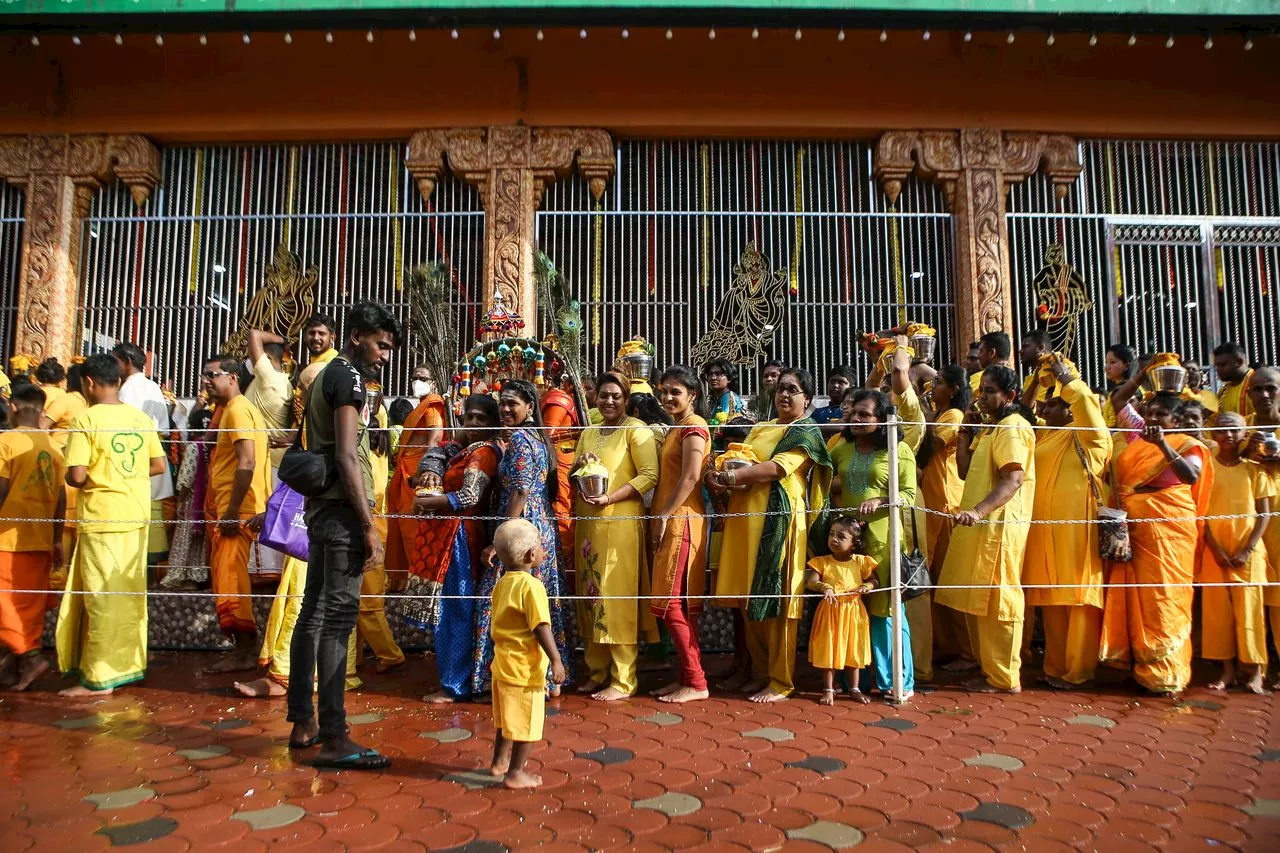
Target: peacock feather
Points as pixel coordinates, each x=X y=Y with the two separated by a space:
x=434 y=321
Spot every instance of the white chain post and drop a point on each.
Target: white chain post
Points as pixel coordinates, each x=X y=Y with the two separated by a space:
x=895 y=560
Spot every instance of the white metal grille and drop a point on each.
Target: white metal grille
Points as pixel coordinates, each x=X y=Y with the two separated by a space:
x=1179 y=241
x=656 y=256
x=176 y=277
x=11 y=218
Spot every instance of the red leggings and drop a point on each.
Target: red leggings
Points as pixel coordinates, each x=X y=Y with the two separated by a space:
x=684 y=636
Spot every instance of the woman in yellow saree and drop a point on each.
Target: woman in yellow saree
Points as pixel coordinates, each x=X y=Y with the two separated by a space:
x=1148 y=628
x=775 y=506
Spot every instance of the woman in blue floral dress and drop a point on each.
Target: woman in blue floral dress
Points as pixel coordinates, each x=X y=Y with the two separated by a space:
x=527 y=485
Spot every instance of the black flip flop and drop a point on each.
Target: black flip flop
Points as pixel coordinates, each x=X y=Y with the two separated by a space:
x=368 y=759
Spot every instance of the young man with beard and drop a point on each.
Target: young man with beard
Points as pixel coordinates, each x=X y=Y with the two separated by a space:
x=343 y=538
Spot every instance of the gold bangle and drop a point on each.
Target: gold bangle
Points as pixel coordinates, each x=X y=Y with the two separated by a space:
x=731 y=478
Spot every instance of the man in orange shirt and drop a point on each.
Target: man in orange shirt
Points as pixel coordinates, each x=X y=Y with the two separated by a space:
x=31 y=472
x=239 y=483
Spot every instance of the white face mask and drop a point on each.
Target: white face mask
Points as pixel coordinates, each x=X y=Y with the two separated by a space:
x=421 y=387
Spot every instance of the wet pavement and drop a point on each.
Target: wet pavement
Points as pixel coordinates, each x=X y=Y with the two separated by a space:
x=179 y=763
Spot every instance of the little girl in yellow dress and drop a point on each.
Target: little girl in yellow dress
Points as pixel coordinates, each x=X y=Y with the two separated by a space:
x=841 y=637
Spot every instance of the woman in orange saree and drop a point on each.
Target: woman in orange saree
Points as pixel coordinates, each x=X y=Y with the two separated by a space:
x=424 y=428
x=1147 y=627
x=445 y=556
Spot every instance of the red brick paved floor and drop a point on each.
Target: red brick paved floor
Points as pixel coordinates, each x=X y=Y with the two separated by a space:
x=955 y=772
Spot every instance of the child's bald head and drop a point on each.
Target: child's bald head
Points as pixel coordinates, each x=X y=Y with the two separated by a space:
x=519 y=544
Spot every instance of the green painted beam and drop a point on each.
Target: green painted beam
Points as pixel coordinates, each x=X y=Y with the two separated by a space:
x=1197 y=8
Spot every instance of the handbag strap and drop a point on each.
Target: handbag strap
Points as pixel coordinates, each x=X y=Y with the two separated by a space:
x=1084 y=461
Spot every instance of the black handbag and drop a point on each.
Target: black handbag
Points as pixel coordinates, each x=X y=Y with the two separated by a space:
x=916 y=580
x=308 y=472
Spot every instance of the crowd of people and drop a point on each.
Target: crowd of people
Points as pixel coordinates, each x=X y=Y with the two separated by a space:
x=672 y=492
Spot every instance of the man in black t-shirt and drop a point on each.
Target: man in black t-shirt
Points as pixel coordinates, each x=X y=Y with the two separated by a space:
x=344 y=544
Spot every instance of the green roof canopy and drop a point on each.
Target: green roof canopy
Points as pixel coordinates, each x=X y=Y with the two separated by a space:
x=1025 y=8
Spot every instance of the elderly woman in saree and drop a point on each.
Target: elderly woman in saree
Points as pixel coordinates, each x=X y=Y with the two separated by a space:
x=982 y=575
x=860 y=454
x=526 y=488
x=446 y=555
x=775 y=505
x=609 y=543
x=1062 y=571
x=1147 y=627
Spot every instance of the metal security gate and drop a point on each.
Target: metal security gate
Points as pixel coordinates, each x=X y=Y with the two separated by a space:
x=1177 y=242
x=655 y=257
x=11 y=219
x=176 y=277
x=1163 y=296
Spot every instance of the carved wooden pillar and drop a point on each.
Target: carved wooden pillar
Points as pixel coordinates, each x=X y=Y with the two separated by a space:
x=975 y=167
x=59 y=175
x=511 y=166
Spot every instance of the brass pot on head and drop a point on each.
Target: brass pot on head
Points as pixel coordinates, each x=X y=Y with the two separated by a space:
x=1170 y=377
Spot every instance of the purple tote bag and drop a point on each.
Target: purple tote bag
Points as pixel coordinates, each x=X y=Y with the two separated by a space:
x=284 y=528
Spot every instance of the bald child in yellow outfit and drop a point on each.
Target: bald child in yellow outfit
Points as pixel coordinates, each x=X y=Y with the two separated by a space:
x=522 y=648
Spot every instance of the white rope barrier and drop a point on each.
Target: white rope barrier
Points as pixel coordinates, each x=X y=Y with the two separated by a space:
x=165 y=593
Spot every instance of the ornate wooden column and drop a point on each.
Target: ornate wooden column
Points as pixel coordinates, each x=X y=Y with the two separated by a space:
x=975 y=167
x=59 y=175
x=511 y=165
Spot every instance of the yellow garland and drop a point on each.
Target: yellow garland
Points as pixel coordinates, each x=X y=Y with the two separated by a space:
x=394 y=187
x=197 y=208
x=706 y=220
x=895 y=247
x=799 y=241
x=597 y=274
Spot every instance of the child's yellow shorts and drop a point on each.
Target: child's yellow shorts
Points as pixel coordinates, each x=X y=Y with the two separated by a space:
x=519 y=712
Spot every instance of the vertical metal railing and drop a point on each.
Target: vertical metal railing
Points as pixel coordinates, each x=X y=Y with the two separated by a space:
x=11 y=221
x=657 y=255
x=1178 y=242
x=177 y=276
x=896 y=612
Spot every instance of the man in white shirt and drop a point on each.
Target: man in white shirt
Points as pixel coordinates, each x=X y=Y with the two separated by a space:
x=139 y=391
x=271 y=391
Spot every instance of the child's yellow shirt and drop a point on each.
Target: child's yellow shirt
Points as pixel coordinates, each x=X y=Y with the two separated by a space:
x=519 y=606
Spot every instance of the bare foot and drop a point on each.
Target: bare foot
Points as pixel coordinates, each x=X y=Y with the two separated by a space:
x=82 y=692
x=383 y=666
x=768 y=697
x=1254 y=684
x=755 y=685
x=828 y=697
x=590 y=686
x=610 y=694
x=684 y=694
x=440 y=697
x=520 y=779
x=260 y=688
x=305 y=733
x=961 y=664
x=29 y=669
x=500 y=768
x=858 y=696
x=666 y=690
x=553 y=692
x=981 y=685
x=232 y=663
x=1218 y=684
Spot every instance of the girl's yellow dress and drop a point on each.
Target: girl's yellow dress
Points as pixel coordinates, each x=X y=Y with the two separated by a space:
x=841 y=636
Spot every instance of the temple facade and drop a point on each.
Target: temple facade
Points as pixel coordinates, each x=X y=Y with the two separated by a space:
x=1108 y=175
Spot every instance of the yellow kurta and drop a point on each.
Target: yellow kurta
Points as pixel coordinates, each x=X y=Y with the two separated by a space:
x=940 y=484
x=1271 y=541
x=992 y=554
x=1232 y=397
x=278 y=635
x=612 y=554
x=1068 y=553
x=841 y=634
x=741 y=543
x=1233 y=621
